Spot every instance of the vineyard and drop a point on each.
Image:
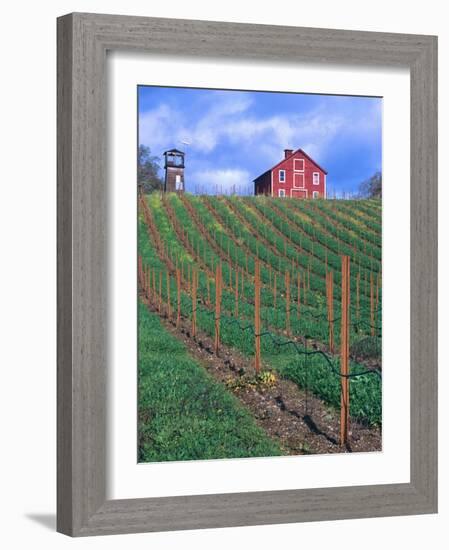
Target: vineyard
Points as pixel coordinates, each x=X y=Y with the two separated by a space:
x=259 y=326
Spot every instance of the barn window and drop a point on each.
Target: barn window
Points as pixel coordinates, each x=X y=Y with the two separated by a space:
x=315 y=194
x=298 y=165
x=282 y=192
x=316 y=178
x=282 y=175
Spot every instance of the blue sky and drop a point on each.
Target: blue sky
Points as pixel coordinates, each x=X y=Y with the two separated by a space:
x=234 y=136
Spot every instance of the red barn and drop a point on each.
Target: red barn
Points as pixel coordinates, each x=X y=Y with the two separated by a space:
x=296 y=175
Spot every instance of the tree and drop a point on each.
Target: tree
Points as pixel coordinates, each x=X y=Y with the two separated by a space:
x=148 y=178
x=372 y=187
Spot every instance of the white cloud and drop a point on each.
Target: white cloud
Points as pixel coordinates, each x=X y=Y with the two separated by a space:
x=165 y=127
x=220 y=181
x=312 y=132
x=156 y=127
x=227 y=120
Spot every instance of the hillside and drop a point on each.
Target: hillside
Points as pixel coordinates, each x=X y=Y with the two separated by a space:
x=199 y=251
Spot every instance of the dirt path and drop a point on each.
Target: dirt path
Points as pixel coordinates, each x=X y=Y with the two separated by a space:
x=302 y=423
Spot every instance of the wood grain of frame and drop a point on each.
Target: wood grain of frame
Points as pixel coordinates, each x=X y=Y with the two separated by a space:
x=83 y=40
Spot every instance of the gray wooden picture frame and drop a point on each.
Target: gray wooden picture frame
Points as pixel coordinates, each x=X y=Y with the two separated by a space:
x=83 y=40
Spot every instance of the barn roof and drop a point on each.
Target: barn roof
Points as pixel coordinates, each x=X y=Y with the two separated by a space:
x=264 y=173
x=284 y=159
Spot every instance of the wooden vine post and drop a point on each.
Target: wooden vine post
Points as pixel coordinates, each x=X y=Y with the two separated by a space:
x=371 y=301
x=217 y=307
x=160 y=291
x=148 y=283
x=377 y=291
x=330 y=307
x=287 y=302
x=236 y=293
x=304 y=279
x=194 y=300
x=257 y=316
x=274 y=292
x=154 y=287
x=168 y=296
x=144 y=280
x=178 y=288
x=298 y=305
x=344 y=350
x=144 y=271
x=139 y=270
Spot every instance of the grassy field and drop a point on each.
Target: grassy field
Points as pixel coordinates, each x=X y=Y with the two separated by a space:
x=295 y=242
x=183 y=413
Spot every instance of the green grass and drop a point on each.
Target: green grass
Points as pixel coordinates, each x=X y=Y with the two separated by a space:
x=184 y=414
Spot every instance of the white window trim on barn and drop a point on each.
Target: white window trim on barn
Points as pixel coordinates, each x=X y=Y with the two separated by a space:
x=315 y=195
x=318 y=179
x=281 y=193
x=294 y=165
x=282 y=173
x=303 y=180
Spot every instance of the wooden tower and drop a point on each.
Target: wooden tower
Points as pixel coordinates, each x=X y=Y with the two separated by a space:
x=174 y=171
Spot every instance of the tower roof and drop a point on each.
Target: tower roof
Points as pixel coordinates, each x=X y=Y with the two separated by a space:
x=175 y=151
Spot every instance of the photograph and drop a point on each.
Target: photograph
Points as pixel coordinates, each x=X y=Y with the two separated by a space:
x=220 y=279
x=259 y=274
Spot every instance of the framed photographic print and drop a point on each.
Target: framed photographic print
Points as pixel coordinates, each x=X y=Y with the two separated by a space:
x=246 y=274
